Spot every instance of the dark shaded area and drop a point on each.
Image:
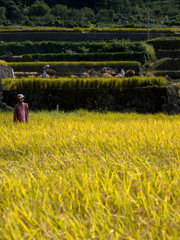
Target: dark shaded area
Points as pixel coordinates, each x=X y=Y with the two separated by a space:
x=141 y=100
x=5 y=72
x=80 y=36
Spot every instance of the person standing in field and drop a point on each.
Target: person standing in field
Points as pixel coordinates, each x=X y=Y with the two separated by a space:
x=21 y=110
x=44 y=73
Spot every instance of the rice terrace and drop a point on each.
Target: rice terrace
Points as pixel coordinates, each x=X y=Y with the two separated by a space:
x=98 y=156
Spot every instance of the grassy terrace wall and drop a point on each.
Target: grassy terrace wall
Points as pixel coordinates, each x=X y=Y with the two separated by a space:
x=76 y=51
x=172 y=43
x=128 y=94
x=168 y=53
x=75 y=36
x=118 y=56
x=29 y=47
x=68 y=68
x=142 y=100
x=168 y=64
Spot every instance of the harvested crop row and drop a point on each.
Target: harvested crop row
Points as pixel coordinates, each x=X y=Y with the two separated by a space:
x=73 y=67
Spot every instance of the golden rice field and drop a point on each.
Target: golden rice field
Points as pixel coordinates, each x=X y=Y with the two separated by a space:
x=83 y=175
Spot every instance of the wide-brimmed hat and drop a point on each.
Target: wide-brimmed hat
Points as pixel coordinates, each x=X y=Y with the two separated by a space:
x=20 y=96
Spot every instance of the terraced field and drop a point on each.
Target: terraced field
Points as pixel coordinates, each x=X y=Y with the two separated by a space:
x=167 y=51
x=89 y=175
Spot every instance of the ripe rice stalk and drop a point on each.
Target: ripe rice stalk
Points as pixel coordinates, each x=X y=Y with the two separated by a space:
x=84 y=175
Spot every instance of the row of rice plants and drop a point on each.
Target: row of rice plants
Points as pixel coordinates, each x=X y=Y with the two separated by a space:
x=83 y=63
x=76 y=82
x=92 y=29
x=84 y=175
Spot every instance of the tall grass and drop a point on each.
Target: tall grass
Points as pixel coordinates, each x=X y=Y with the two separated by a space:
x=90 y=176
x=76 y=82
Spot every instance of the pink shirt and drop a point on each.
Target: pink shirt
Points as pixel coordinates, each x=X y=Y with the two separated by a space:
x=21 y=112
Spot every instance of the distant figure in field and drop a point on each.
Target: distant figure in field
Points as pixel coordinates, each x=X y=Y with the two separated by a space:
x=13 y=73
x=44 y=74
x=130 y=73
x=104 y=70
x=122 y=72
x=108 y=71
x=21 y=110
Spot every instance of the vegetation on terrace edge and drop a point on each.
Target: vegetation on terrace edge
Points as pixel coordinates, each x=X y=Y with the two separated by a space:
x=166 y=64
x=92 y=29
x=76 y=51
x=118 y=56
x=29 y=47
x=107 y=63
x=83 y=175
x=166 y=43
x=4 y=63
x=76 y=82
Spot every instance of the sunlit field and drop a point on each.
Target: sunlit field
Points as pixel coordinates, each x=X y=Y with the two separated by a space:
x=83 y=175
